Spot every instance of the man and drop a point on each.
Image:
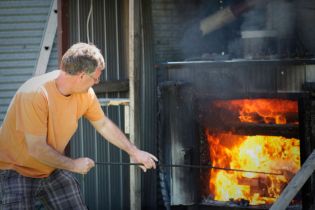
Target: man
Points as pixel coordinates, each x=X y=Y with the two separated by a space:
x=40 y=121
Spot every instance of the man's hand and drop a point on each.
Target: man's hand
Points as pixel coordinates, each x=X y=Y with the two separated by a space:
x=145 y=158
x=83 y=165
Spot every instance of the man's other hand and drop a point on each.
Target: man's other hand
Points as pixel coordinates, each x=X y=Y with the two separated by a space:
x=83 y=165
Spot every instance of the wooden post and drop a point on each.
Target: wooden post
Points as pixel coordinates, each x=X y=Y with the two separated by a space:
x=63 y=36
x=134 y=68
x=295 y=184
x=62 y=28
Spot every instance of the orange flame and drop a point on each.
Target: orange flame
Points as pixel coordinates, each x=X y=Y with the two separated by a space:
x=274 y=111
x=271 y=154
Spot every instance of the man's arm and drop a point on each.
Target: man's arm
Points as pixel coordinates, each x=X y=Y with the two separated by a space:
x=115 y=136
x=41 y=151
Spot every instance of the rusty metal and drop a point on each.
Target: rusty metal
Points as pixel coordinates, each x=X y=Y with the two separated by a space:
x=189 y=166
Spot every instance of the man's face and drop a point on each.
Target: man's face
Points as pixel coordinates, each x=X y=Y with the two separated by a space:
x=95 y=76
x=88 y=80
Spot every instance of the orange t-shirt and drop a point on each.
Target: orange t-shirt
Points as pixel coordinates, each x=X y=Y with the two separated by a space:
x=39 y=109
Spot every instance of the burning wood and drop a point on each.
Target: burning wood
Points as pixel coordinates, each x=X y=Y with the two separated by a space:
x=262 y=153
x=249 y=129
x=261 y=111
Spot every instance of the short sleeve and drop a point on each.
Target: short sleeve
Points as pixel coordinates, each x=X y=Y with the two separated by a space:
x=32 y=113
x=94 y=111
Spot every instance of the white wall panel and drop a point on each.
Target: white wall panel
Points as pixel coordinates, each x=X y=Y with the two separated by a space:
x=22 y=25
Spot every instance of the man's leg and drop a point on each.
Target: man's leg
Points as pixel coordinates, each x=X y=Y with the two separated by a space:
x=16 y=191
x=61 y=191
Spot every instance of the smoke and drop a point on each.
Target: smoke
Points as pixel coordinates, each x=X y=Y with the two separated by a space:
x=305 y=26
x=267 y=31
x=276 y=19
x=281 y=17
x=193 y=43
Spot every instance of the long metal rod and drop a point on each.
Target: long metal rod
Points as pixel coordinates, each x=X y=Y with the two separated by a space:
x=190 y=166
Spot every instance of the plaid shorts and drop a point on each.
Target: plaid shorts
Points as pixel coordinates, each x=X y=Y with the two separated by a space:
x=58 y=191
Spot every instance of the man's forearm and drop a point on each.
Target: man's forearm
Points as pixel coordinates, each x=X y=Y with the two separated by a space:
x=114 y=135
x=49 y=156
x=44 y=153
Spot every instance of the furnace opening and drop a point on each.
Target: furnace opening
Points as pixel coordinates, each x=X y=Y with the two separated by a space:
x=258 y=140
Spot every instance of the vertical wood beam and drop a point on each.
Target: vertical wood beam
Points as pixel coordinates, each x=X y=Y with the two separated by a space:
x=62 y=27
x=134 y=84
x=63 y=36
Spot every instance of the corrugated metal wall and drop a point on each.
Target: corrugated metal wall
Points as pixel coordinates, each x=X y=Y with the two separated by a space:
x=148 y=105
x=22 y=24
x=108 y=187
x=105 y=187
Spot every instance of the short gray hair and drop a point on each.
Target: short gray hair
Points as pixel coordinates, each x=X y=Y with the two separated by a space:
x=82 y=57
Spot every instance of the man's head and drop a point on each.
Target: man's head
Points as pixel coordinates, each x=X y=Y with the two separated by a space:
x=82 y=57
x=82 y=64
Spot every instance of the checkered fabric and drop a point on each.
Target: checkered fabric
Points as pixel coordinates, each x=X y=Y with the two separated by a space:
x=58 y=191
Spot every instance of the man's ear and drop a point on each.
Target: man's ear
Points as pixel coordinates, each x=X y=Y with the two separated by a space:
x=81 y=74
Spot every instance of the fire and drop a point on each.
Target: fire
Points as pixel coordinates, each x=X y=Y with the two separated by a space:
x=275 y=111
x=271 y=154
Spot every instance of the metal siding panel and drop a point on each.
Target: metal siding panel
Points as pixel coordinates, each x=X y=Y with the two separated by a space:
x=148 y=104
x=103 y=181
x=111 y=38
x=5 y=56
x=15 y=70
x=13 y=79
x=22 y=24
x=34 y=25
x=21 y=11
x=99 y=32
x=2 y=115
x=310 y=73
x=290 y=78
x=89 y=138
x=7 y=94
x=53 y=59
x=260 y=77
x=5 y=101
x=22 y=19
x=109 y=187
x=115 y=156
x=24 y=4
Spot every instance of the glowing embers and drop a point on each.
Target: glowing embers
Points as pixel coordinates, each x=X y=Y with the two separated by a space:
x=270 y=154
